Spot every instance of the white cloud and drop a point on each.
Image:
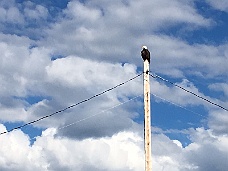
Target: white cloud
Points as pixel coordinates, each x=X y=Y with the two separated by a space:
x=19 y=62
x=20 y=69
x=220 y=87
x=117 y=25
x=78 y=72
x=208 y=151
x=14 y=15
x=33 y=11
x=174 y=56
x=38 y=75
x=92 y=36
x=218 y=120
x=82 y=13
x=83 y=77
x=27 y=72
x=78 y=78
x=123 y=151
x=24 y=18
x=96 y=40
x=219 y=4
x=11 y=15
x=181 y=97
x=145 y=12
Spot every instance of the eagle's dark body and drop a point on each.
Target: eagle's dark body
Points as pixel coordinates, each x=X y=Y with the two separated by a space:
x=145 y=53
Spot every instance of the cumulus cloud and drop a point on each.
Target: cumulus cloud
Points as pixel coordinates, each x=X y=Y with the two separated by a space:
x=208 y=151
x=174 y=56
x=21 y=67
x=99 y=45
x=218 y=121
x=118 y=25
x=28 y=72
x=26 y=18
x=74 y=78
x=34 y=11
x=91 y=36
x=79 y=76
x=10 y=13
x=122 y=151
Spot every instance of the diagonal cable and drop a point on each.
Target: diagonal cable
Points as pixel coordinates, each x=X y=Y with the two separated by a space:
x=188 y=91
x=163 y=99
x=62 y=110
x=103 y=111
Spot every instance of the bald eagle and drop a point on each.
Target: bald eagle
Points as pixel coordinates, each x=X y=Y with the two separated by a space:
x=145 y=53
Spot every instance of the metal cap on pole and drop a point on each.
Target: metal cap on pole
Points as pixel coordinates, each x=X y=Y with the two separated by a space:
x=147 y=118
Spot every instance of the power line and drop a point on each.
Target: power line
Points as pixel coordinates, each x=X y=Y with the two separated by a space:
x=188 y=91
x=83 y=119
x=103 y=111
x=60 y=111
x=178 y=105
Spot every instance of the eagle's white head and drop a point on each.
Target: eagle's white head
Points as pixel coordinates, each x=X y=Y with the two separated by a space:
x=144 y=47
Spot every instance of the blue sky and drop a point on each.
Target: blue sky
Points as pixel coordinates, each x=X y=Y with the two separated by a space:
x=57 y=53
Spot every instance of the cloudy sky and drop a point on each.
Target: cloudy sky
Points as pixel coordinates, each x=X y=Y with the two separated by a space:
x=54 y=54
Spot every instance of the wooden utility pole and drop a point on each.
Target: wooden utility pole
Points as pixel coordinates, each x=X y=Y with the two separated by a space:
x=147 y=119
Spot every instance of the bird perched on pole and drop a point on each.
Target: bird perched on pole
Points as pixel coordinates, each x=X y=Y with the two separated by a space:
x=145 y=53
